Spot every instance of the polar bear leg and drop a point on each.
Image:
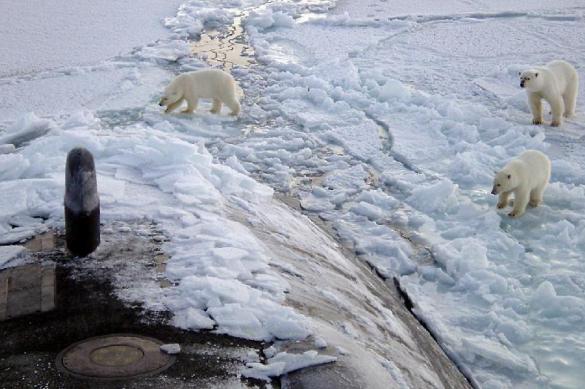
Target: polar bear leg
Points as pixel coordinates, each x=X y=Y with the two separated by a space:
x=216 y=107
x=191 y=106
x=536 y=196
x=536 y=108
x=570 y=98
x=503 y=200
x=557 y=106
x=171 y=107
x=233 y=104
x=520 y=202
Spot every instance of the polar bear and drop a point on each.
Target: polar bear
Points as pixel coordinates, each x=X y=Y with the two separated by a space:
x=207 y=83
x=526 y=177
x=557 y=83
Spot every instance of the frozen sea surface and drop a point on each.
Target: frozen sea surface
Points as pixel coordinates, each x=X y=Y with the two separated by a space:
x=423 y=99
x=38 y=35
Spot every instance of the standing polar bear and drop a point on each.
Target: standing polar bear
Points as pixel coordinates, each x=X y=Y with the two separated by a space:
x=207 y=83
x=557 y=83
x=526 y=177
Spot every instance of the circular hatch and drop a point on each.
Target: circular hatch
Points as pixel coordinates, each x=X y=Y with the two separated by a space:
x=112 y=357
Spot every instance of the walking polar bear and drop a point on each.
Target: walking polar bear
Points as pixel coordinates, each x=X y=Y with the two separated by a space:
x=557 y=83
x=526 y=176
x=207 y=83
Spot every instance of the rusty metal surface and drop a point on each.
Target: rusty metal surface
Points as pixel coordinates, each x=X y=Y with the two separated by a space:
x=26 y=289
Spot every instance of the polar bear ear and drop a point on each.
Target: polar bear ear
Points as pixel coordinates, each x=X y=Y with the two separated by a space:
x=535 y=75
x=509 y=176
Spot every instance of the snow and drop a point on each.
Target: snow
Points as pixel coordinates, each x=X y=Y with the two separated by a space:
x=171 y=348
x=238 y=309
x=85 y=33
x=7 y=148
x=283 y=363
x=384 y=119
x=471 y=272
x=10 y=254
x=264 y=20
x=193 y=319
x=320 y=343
x=28 y=127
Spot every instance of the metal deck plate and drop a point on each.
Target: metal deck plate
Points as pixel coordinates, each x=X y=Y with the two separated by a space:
x=111 y=357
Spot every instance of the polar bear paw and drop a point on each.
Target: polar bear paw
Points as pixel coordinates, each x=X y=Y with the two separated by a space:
x=515 y=214
x=502 y=204
x=555 y=123
x=536 y=121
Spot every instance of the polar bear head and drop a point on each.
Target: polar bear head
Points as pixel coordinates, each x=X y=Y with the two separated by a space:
x=531 y=80
x=172 y=93
x=506 y=180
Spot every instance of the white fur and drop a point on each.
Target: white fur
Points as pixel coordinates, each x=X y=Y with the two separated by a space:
x=208 y=83
x=557 y=83
x=526 y=176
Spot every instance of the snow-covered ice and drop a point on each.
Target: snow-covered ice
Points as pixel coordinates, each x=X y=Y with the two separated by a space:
x=9 y=255
x=39 y=36
x=441 y=81
x=171 y=348
x=384 y=119
x=283 y=363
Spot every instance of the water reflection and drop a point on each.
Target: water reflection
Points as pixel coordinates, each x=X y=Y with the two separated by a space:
x=26 y=289
x=228 y=50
